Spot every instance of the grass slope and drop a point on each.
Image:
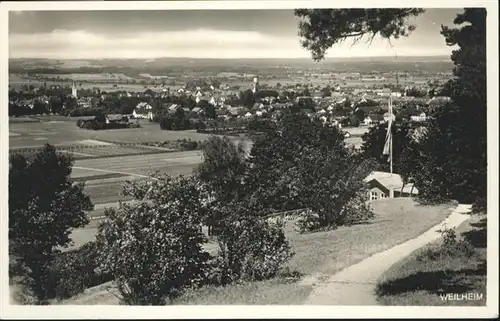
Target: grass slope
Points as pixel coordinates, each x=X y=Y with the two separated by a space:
x=324 y=253
x=420 y=280
x=317 y=256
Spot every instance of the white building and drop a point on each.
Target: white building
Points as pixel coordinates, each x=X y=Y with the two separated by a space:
x=198 y=96
x=386 y=185
x=419 y=118
x=255 y=87
x=144 y=111
x=74 y=91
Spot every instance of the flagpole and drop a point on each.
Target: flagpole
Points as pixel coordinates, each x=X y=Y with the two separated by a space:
x=388 y=138
x=390 y=115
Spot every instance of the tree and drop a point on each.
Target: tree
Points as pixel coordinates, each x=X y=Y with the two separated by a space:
x=223 y=166
x=306 y=103
x=415 y=92
x=180 y=120
x=247 y=98
x=210 y=111
x=298 y=165
x=374 y=141
x=166 y=122
x=326 y=92
x=455 y=146
x=56 y=105
x=153 y=247
x=354 y=121
x=320 y=29
x=360 y=114
x=249 y=248
x=40 y=107
x=333 y=186
x=71 y=103
x=222 y=170
x=44 y=207
x=208 y=108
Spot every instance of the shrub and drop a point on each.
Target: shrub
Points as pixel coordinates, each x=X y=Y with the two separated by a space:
x=166 y=123
x=73 y=272
x=153 y=247
x=450 y=246
x=308 y=222
x=200 y=126
x=189 y=145
x=250 y=248
x=480 y=205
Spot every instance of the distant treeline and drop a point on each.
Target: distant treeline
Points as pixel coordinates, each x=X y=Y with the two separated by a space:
x=157 y=68
x=76 y=70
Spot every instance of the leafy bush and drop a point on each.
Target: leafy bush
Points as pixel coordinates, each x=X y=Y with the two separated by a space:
x=74 y=271
x=450 y=246
x=200 y=126
x=153 y=247
x=188 y=144
x=249 y=248
x=166 y=123
x=479 y=205
x=308 y=222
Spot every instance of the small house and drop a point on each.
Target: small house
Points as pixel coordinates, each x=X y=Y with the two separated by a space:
x=419 y=118
x=173 y=108
x=143 y=110
x=383 y=185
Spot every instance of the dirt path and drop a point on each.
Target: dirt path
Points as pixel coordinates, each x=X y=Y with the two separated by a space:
x=355 y=285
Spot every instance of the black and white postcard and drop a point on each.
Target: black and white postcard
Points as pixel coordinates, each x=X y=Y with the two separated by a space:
x=243 y=159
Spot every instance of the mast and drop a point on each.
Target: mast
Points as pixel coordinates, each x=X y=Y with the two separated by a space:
x=390 y=115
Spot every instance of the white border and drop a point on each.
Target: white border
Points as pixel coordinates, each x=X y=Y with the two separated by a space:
x=225 y=312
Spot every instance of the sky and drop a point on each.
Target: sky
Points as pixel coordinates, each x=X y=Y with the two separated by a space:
x=197 y=34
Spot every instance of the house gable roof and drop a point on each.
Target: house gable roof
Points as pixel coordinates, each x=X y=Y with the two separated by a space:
x=389 y=181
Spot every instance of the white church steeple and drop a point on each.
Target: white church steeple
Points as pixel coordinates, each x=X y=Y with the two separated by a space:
x=74 y=91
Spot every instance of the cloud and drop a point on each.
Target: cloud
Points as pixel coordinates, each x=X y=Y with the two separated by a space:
x=199 y=43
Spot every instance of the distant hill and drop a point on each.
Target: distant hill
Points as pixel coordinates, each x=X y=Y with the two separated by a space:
x=162 y=65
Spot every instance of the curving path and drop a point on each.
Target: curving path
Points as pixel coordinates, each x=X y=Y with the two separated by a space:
x=355 y=285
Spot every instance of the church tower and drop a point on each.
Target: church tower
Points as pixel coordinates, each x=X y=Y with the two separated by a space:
x=255 y=87
x=74 y=91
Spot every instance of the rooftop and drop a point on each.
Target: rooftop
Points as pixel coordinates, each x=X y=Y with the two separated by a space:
x=390 y=181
